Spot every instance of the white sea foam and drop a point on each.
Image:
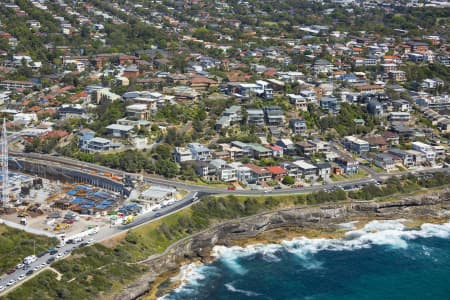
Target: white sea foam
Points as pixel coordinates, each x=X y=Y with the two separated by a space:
x=392 y=233
x=191 y=277
x=231 y=288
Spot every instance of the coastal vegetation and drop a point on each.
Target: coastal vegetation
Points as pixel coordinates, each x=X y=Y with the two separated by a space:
x=16 y=244
x=99 y=270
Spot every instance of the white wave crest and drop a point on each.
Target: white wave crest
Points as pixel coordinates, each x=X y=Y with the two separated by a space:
x=391 y=233
x=231 y=288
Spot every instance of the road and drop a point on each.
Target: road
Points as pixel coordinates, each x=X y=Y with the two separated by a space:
x=195 y=193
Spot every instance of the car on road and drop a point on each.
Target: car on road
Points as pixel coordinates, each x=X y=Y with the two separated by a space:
x=59 y=255
x=10 y=271
x=2 y=288
x=29 y=272
x=21 y=276
x=50 y=260
x=158 y=214
x=11 y=282
x=42 y=254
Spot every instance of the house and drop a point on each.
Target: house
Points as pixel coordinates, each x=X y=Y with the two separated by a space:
x=98 y=144
x=426 y=149
x=406 y=157
x=67 y=111
x=288 y=146
x=277 y=151
x=377 y=143
x=277 y=172
x=356 y=145
x=182 y=154
x=300 y=102
x=131 y=71
x=204 y=169
x=120 y=131
x=14 y=84
x=320 y=146
x=255 y=117
x=399 y=116
x=85 y=135
x=375 y=108
x=298 y=126
x=199 y=152
x=306 y=148
x=385 y=161
x=348 y=164
x=330 y=104
x=258 y=174
x=399 y=76
x=138 y=111
x=224 y=172
x=230 y=116
x=202 y=83
x=324 y=170
x=291 y=169
x=401 y=105
x=273 y=115
x=244 y=173
x=264 y=90
x=307 y=170
x=391 y=137
x=322 y=66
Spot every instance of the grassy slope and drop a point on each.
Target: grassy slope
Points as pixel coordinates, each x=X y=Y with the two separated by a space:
x=16 y=244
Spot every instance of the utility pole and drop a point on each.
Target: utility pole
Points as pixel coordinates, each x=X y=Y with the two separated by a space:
x=4 y=159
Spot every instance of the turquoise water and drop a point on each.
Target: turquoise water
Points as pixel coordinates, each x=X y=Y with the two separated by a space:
x=383 y=261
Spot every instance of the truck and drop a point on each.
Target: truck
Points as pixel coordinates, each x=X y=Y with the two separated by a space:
x=128 y=220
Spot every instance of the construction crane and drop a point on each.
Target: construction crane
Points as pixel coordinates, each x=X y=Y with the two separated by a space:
x=4 y=161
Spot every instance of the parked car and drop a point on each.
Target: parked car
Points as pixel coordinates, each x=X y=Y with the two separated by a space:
x=11 y=282
x=10 y=271
x=50 y=260
x=29 y=272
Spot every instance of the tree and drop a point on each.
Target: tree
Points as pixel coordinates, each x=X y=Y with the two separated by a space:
x=288 y=180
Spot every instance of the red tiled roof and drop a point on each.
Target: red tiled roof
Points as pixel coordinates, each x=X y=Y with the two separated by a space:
x=276 y=170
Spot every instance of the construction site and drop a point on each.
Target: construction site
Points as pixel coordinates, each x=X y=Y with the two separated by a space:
x=54 y=198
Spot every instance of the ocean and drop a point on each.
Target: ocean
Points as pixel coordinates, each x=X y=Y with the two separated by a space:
x=383 y=260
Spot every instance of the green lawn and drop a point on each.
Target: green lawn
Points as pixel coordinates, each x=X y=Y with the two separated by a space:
x=361 y=174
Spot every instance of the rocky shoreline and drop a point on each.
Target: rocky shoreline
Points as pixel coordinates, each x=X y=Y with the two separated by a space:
x=318 y=221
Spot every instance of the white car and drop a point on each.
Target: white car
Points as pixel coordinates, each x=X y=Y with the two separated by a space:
x=1 y=288
x=19 y=266
x=11 y=282
x=36 y=268
x=41 y=265
x=90 y=241
x=59 y=255
x=21 y=276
